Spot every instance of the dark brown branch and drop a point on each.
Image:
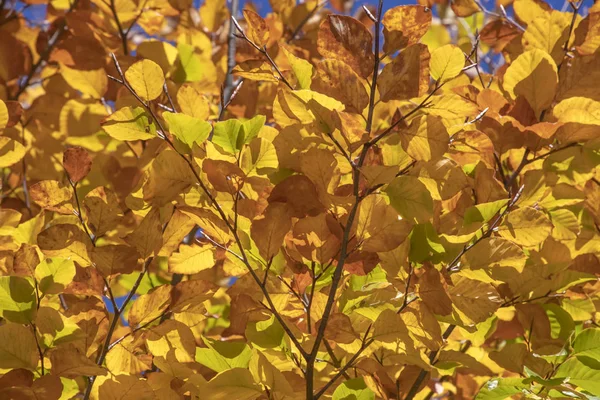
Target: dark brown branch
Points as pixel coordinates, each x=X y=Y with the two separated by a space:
x=45 y=54
x=488 y=232
x=414 y=389
x=375 y=67
x=298 y=29
x=113 y=325
x=365 y=344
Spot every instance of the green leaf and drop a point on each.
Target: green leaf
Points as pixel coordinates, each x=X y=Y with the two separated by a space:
x=353 y=389
x=221 y=356
x=54 y=274
x=129 y=123
x=189 y=65
x=483 y=212
x=500 y=389
x=425 y=243
x=579 y=374
x=17 y=299
x=410 y=197
x=587 y=344
x=188 y=130
x=226 y=135
x=232 y=135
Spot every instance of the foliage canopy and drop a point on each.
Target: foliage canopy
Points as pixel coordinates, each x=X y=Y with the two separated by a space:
x=400 y=204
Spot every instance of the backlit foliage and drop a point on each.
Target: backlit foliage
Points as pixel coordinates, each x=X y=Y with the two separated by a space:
x=403 y=203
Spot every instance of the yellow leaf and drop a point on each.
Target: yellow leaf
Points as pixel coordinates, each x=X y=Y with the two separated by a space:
x=525 y=226
x=336 y=79
x=3 y=115
x=192 y=102
x=213 y=14
x=130 y=124
x=172 y=336
x=259 y=158
x=69 y=362
x=532 y=75
x=162 y=53
x=90 y=82
x=53 y=196
x=11 y=152
x=66 y=241
x=379 y=229
x=236 y=383
x=548 y=32
x=446 y=62
x=123 y=385
x=192 y=259
x=170 y=176
x=124 y=358
x=103 y=212
x=255 y=70
x=301 y=67
x=146 y=78
x=150 y=306
x=426 y=138
x=17 y=347
x=258 y=30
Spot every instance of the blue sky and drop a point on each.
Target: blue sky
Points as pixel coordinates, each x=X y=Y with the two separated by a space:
x=37 y=12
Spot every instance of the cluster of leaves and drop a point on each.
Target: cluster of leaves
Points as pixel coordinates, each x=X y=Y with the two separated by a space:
x=308 y=205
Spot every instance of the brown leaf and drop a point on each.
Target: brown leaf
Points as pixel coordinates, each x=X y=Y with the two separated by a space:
x=346 y=39
x=269 y=231
x=433 y=292
x=404 y=26
x=77 y=163
x=407 y=76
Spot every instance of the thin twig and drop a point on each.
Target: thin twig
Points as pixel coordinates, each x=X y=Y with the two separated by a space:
x=44 y=55
x=263 y=51
x=189 y=161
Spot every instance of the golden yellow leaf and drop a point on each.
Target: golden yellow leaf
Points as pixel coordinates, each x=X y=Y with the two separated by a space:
x=146 y=78
x=11 y=152
x=192 y=259
x=526 y=226
x=53 y=196
x=532 y=75
x=102 y=210
x=192 y=102
x=446 y=63
x=257 y=30
x=425 y=139
x=149 y=306
x=93 y=83
x=405 y=26
x=336 y=79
